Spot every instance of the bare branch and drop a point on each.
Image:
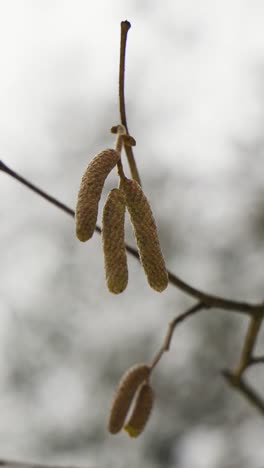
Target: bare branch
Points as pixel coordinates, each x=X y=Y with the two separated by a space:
x=20 y=464
x=125 y=26
x=256 y=360
x=180 y=318
x=245 y=389
x=249 y=344
x=208 y=300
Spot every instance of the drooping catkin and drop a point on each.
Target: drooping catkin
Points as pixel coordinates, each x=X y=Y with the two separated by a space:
x=124 y=395
x=113 y=238
x=146 y=235
x=90 y=192
x=141 y=411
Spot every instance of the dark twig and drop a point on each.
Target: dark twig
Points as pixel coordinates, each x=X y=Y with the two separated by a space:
x=20 y=464
x=180 y=318
x=36 y=189
x=208 y=300
x=245 y=389
x=125 y=26
x=248 y=345
x=256 y=360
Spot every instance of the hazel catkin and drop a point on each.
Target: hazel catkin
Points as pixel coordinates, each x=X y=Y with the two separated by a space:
x=113 y=238
x=125 y=392
x=90 y=192
x=141 y=411
x=146 y=235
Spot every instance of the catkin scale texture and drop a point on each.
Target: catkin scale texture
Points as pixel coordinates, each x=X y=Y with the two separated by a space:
x=146 y=235
x=125 y=392
x=113 y=238
x=141 y=411
x=90 y=192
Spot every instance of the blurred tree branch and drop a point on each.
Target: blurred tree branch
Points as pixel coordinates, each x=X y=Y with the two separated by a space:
x=18 y=464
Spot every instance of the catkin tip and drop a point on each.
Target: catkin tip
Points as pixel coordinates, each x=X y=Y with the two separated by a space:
x=113 y=239
x=145 y=231
x=90 y=192
x=141 y=411
x=124 y=395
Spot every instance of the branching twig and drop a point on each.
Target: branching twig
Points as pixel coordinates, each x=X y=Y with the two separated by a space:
x=256 y=360
x=245 y=389
x=19 y=464
x=125 y=26
x=248 y=346
x=167 y=341
x=246 y=360
x=207 y=299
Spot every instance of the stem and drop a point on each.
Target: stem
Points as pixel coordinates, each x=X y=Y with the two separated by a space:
x=35 y=189
x=125 y=26
x=245 y=389
x=167 y=341
x=249 y=344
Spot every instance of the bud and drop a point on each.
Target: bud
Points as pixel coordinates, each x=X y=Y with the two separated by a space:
x=113 y=237
x=141 y=411
x=90 y=192
x=146 y=235
x=125 y=392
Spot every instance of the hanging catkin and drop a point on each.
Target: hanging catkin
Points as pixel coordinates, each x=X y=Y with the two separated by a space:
x=141 y=411
x=145 y=231
x=90 y=192
x=125 y=392
x=113 y=237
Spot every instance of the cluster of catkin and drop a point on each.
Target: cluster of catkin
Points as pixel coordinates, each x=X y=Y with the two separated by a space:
x=133 y=389
x=128 y=195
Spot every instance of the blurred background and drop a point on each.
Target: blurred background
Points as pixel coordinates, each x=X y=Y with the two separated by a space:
x=195 y=104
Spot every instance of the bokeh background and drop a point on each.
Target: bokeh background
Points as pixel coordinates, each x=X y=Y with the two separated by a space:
x=195 y=104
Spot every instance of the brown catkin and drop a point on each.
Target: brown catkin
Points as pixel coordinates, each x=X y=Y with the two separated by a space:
x=141 y=411
x=90 y=192
x=113 y=238
x=125 y=392
x=146 y=235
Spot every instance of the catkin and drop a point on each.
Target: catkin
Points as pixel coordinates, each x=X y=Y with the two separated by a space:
x=141 y=411
x=113 y=238
x=146 y=235
x=90 y=192
x=125 y=392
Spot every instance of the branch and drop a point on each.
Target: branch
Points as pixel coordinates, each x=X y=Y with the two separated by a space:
x=234 y=378
x=207 y=299
x=19 y=464
x=167 y=341
x=248 y=346
x=125 y=26
x=245 y=389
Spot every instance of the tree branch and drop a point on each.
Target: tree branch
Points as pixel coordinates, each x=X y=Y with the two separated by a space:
x=167 y=340
x=245 y=389
x=19 y=464
x=207 y=299
x=125 y=26
x=248 y=346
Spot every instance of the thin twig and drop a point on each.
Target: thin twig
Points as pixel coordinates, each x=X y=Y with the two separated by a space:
x=208 y=300
x=256 y=360
x=36 y=189
x=245 y=389
x=24 y=464
x=172 y=325
x=248 y=345
x=125 y=26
